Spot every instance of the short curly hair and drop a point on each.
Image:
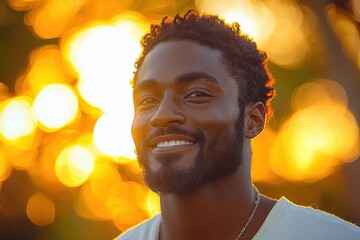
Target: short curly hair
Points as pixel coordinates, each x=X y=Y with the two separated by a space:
x=245 y=62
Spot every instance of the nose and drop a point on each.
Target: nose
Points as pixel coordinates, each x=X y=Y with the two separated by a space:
x=167 y=113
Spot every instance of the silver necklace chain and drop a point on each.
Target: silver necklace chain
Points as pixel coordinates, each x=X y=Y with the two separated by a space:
x=256 y=204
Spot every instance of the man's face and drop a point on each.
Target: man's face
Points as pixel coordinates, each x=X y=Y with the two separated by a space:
x=188 y=127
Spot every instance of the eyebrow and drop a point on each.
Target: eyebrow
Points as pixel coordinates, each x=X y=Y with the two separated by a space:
x=146 y=84
x=190 y=77
x=183 y=79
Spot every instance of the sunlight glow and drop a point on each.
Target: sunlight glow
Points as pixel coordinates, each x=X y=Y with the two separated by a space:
x=55 y=106
x=321 y=135
x=246 y=13
x=275 y=26
x=106 y=196
x=346 y=28
x=153 y=203
x=74 y=166
x=132 y=204
x=100 y=193
x=52 y=17
x=16 y=119
x=103 y=55
x=46 y=66
x=261 y=147
x=112 y=134
x=5 y=167
x=65 y=123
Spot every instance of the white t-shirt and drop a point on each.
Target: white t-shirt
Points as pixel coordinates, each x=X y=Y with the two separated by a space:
x=285 y=221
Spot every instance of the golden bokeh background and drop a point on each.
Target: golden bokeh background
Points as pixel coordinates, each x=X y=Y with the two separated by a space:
x=67 y=162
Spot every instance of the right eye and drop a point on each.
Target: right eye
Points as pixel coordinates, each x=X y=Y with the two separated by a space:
x=147 y=101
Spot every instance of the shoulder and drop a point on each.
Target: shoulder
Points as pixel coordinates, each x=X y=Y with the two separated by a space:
x=298 y=222
x=311 y=214
x=145 y=230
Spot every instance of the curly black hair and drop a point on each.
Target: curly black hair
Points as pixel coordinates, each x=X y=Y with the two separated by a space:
x=245 y=62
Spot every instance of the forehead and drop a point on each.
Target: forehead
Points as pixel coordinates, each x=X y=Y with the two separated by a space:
x=168 y=60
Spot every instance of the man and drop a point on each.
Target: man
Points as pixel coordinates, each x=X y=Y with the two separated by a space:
x=201 y=93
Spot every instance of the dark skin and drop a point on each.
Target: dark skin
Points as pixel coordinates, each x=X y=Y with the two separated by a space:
x=195 y=91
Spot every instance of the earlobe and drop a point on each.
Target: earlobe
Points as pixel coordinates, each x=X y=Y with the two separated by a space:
x=255 y=117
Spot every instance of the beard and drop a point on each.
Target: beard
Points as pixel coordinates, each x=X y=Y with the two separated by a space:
x=221 y=159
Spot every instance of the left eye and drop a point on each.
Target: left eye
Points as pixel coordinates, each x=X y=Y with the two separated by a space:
x=198 y=94
x=198 y=97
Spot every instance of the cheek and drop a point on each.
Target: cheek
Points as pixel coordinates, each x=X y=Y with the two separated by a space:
x=225 y=115
x=219 y=125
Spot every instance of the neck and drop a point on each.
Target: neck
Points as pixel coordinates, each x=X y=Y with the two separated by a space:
x=218 y=210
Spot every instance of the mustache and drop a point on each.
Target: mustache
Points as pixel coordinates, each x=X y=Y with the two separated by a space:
x=197 y=136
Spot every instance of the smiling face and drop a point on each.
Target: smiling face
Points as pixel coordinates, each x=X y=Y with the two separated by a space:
x=187 y=130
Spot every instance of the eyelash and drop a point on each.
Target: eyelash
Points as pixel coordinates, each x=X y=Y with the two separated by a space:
x=201 y=93
x=146 y=101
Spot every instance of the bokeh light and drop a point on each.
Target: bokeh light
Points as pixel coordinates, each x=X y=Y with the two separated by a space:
x=46 y=66
x=103 y=55
x=40 y=209
x=65 y=123
x=55 y=106
x=112 y=135
x=347 y=31
x=74 y=165
x=319 y=136
x=261 y=167
x=16 y=119
x=132 y=207
x=52 y=17
x=255 y=18
x=5 y=167
x=276 y=26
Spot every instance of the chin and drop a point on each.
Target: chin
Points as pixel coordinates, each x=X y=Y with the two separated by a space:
x=170 y=180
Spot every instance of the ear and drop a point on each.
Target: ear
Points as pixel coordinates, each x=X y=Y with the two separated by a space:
x=255 y=117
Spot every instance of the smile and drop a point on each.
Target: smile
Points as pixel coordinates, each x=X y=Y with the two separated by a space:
x=173 y=143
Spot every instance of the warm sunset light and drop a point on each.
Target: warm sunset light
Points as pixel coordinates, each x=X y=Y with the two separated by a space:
x=269 y=23
x=236 y=11
x=20 y=4
x=46 y=66
x=287 y=45
x=98 y=195
x=5 y=167
x=68 y=165
x=261 y=168
x=153 y=203
x=40 y=209
x=312 y=147
x=55 y=106
x=103 y=55
x=112 y=134
x=74 y=166
x=319 y=136
x=107 y=196
x=16 y=119
x=131 y=206
x=53 y=17
x=347 y=31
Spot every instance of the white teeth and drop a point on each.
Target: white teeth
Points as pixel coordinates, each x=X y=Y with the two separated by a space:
x=173 y=143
